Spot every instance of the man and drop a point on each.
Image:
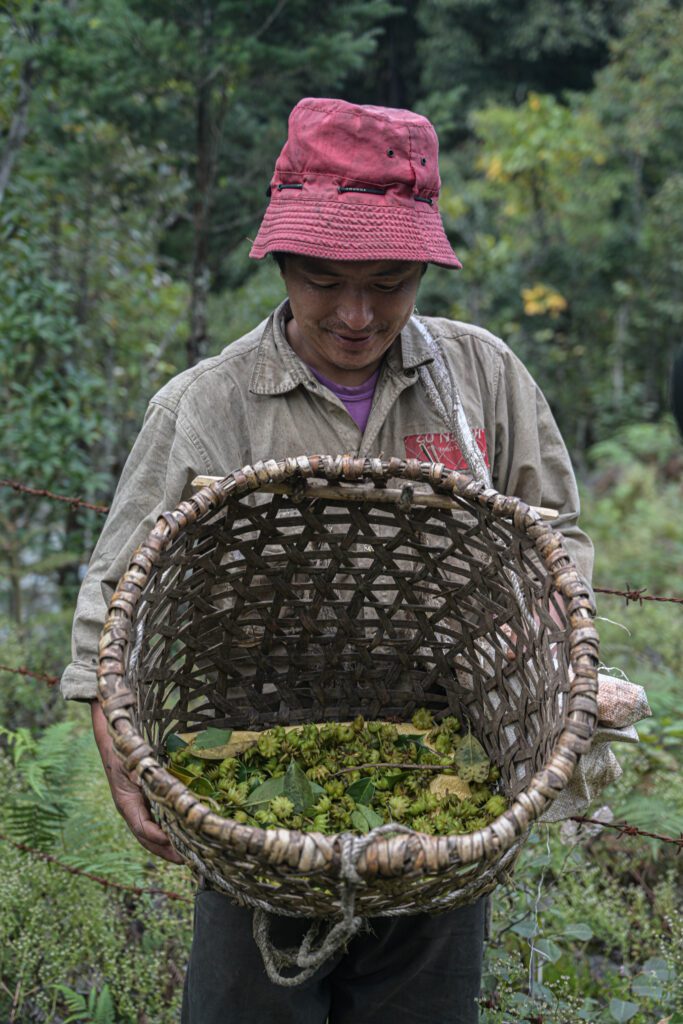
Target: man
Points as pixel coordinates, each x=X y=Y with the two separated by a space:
x=342 y=365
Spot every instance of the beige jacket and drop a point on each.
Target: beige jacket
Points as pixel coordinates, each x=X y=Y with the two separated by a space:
x=257 y=400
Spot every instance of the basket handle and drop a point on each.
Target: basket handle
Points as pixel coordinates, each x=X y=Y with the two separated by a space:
x=308 y=962
x=383 y=496
x=337 y=935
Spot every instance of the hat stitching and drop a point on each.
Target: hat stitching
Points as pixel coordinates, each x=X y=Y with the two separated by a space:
x=337 y=174
x=371 y=191
x=303 y=198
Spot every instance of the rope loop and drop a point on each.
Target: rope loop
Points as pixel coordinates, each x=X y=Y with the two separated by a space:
x=306 y=958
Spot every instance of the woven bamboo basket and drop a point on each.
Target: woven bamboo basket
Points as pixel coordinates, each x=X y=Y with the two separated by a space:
x=364 y=586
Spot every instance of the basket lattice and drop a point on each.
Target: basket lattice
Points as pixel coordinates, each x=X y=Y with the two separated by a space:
x=246 y=608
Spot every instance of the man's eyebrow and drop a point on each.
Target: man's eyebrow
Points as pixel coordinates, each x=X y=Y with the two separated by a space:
x=400 y=268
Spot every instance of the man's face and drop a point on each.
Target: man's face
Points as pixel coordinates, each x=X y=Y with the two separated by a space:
x=346 y=314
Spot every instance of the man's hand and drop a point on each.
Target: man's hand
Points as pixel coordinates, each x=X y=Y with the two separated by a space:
x=510 y=650
x=127 y=795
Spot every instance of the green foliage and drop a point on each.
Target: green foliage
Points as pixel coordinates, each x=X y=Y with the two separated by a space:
x=135 y=946
x=97 y=1008
x=577 y=938
x=43 y=783
x=25 y=701
x=116 y=952
x=474 y=51
x=592 y=931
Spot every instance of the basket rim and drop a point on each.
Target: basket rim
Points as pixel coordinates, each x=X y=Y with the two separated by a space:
x=386 y=856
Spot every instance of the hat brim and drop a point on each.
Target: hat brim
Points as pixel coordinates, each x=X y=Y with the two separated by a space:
x=354 y=231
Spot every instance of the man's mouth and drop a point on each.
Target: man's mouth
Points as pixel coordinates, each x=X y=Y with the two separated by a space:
x=357 y=338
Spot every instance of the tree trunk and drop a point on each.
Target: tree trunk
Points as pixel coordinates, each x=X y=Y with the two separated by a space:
x=83 y=286
x=12 y=549
x=196 y=343
x=18 y=127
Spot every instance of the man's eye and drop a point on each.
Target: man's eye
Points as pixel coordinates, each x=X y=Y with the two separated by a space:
x=324 y=284
x=388 y=287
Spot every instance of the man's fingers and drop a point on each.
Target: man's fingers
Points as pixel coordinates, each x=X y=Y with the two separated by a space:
x=149 y=835
x=511 y=637
x=136 y=815
x=128 y=796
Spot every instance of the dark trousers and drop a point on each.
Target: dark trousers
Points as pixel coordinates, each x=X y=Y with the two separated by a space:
x=405 y=970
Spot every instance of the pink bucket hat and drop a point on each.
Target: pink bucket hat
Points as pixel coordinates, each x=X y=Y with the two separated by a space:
x=356 y=183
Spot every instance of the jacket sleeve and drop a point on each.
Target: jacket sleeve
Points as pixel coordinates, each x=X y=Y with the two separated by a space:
x=531 y=460
x=156 y=476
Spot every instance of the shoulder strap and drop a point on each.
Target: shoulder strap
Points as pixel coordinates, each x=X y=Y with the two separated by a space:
x=442 y=392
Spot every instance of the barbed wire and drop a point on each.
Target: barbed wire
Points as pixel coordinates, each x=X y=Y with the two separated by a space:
x=636 y=595
x=41 y=676
x=37 y=493
x=106 y=882
x=626 y=829
x=631 y=594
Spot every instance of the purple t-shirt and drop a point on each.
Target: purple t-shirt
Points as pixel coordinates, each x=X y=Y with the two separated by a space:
x=357 y=399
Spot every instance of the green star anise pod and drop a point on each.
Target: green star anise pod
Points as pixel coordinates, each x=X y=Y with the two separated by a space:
x=398 y=807
x=268 y=745
x=422 y=719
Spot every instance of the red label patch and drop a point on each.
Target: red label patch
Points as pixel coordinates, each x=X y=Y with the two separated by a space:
x=443 y=448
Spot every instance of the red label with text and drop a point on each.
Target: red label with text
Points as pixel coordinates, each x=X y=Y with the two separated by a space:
x=443 y=448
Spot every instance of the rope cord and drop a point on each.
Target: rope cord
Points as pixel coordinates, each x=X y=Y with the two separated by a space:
x=339 y=934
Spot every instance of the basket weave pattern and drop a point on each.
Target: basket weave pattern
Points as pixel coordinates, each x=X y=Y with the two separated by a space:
x=244 y=610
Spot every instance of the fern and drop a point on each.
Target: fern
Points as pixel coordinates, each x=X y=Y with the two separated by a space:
x=19 y=742
x=98 y=1008
x=35 y=823
x=45 y=772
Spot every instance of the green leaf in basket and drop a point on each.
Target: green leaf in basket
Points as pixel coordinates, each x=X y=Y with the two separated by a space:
x=173 y=743
x=266 y=792
x=407 y=738
x=359 y=821
x=180 y=773
x=202 y=787
x=212 y=738
x=362 y=791
x=393 y=780
x=370 y=818
x=298 y=788
x=471 y=760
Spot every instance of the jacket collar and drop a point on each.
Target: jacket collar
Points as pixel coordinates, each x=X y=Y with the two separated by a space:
x=278 y=369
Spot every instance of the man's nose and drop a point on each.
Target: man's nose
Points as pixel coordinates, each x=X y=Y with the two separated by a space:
x=355 y=309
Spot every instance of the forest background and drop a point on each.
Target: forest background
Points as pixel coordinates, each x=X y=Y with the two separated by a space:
x=136 y=143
